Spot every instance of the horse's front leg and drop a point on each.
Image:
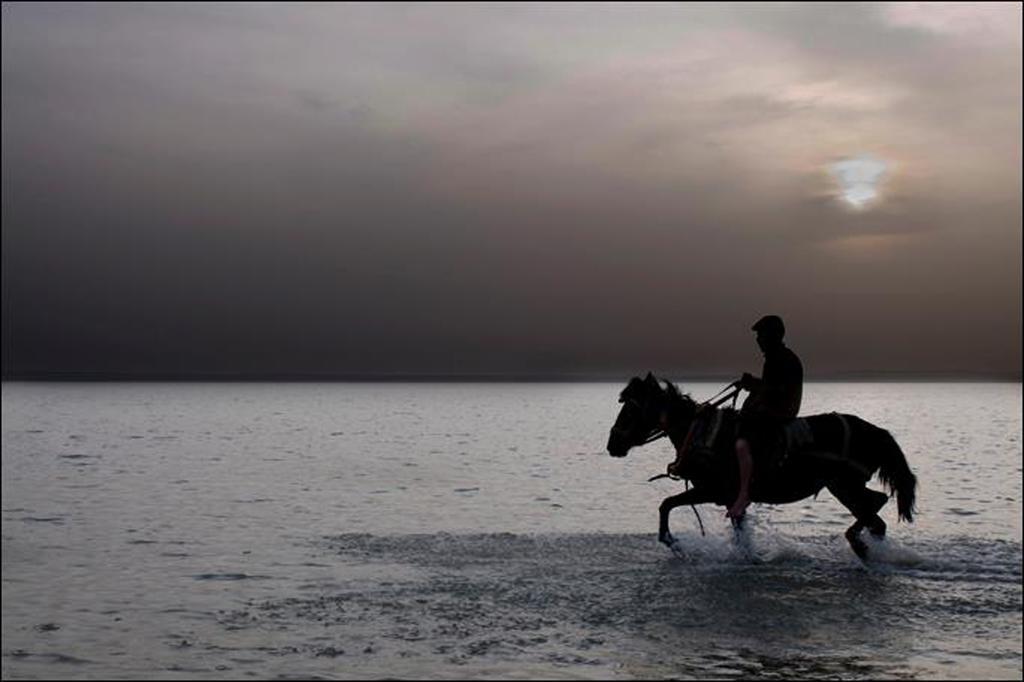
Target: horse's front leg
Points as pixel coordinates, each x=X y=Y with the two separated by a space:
x=692 y=496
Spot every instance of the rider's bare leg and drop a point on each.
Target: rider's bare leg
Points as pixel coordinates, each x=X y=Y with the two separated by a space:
x=746 y=469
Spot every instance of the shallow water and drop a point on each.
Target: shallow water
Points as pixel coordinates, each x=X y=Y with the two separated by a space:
x=479 y=530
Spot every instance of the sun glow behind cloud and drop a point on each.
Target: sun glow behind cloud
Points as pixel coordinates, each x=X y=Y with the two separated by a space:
x=859 y=179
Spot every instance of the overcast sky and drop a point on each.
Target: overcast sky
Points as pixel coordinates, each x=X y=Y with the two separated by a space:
x=541 y=189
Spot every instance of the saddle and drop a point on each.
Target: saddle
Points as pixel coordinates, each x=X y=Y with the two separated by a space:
x=715 y=430
x=709 y=431
x=796 y=438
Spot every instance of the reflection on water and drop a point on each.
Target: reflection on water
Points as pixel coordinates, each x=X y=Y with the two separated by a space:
x=474 y=531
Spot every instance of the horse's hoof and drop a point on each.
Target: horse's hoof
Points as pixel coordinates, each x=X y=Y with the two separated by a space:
x=859 y=547
x=666 y=539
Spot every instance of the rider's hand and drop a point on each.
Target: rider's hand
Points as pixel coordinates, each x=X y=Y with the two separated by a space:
x=746 y=381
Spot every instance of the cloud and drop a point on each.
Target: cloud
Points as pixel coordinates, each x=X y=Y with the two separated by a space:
x=985 y=23
x=386 y=177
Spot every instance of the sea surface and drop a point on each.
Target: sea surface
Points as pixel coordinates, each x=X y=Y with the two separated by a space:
x=205 y=530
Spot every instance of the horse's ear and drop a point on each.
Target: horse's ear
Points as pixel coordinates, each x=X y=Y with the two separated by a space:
x=651 y=379
x=634 y=385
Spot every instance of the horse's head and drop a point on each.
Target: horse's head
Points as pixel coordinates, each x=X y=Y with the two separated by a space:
x=643 y=403
x=649 y=409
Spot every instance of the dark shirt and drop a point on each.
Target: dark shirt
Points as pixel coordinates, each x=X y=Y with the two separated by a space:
x=779 y=390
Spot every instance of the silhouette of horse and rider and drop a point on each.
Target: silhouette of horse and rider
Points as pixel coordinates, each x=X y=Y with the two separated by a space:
x=763 y=452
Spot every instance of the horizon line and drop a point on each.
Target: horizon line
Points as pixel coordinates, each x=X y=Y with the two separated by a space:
x=495 y=377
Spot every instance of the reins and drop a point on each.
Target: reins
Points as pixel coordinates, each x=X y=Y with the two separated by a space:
x=730 y=392
x=655 y=435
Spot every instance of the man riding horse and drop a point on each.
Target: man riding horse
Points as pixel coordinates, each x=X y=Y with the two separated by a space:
x=795 y=458
x=774 y=400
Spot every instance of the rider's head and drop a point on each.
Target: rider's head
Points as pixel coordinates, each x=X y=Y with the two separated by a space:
x=770 y=331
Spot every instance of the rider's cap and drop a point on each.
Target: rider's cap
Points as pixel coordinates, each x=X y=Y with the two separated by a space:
x=770 y=325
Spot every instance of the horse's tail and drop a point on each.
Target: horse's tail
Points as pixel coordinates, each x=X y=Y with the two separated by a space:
x=896 y=475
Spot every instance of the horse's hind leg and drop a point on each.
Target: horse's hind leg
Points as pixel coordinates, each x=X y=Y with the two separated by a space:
x=864 y=504
x=860 y=548
x=874 y=501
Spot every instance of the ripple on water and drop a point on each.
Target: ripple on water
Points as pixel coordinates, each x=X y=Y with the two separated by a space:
x=229 y=576
x=56 y=520
x=602 y=600
x=49 y=657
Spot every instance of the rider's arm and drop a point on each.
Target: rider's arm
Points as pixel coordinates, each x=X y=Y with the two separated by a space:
x=750 y=383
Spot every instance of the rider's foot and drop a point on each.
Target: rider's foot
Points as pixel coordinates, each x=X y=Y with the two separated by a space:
x=738 y=509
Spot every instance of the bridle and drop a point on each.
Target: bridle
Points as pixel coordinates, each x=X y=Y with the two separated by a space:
x=651 y=436
x=730 y=392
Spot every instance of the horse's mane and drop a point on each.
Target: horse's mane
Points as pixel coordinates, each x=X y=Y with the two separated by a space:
x=666 y=390
x=675 y=395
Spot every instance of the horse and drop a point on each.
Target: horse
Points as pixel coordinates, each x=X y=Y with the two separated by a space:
x=840 y=452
